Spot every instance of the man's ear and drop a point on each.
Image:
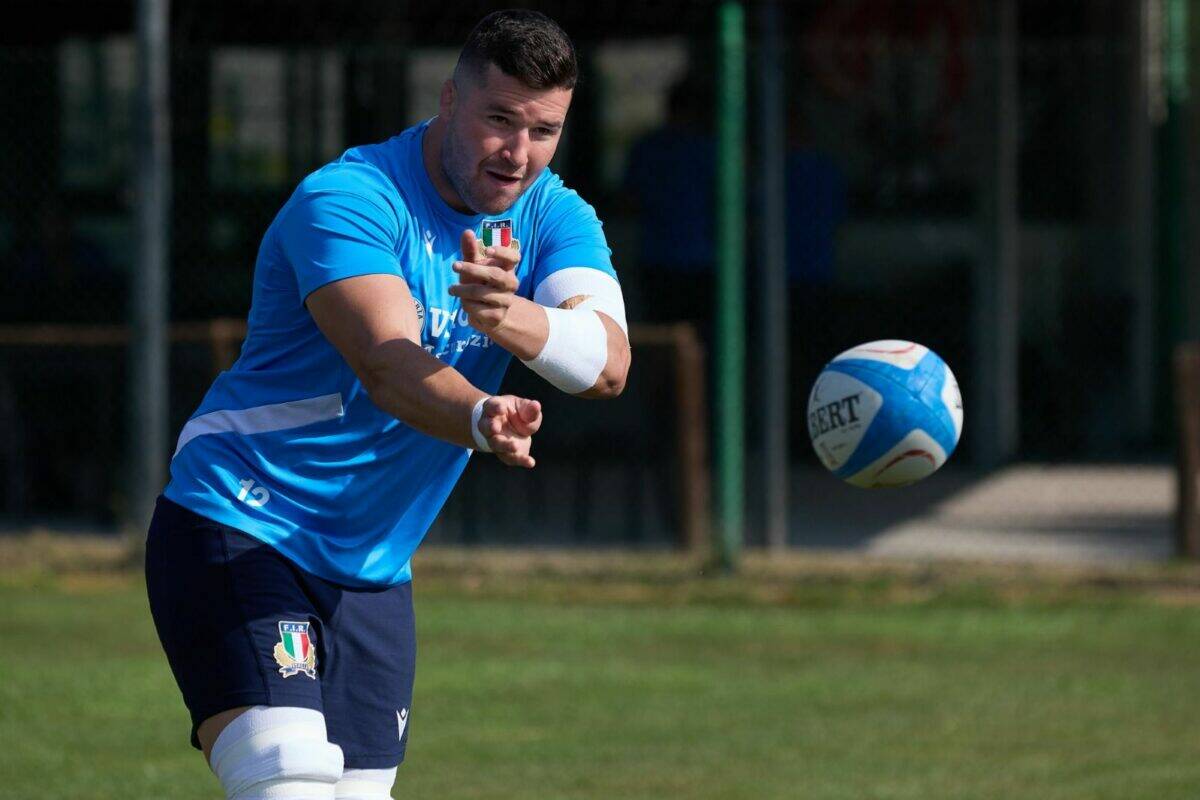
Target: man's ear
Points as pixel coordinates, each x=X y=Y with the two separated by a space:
x=447 y=100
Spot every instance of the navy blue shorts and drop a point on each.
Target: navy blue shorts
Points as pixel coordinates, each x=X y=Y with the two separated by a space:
x=244 y=626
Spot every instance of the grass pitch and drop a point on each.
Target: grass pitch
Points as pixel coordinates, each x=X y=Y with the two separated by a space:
x=602 y=677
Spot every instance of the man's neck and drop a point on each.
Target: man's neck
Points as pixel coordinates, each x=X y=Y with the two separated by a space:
x=431 y=156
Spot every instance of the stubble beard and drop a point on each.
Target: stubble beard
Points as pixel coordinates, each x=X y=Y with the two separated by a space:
x=458 y=173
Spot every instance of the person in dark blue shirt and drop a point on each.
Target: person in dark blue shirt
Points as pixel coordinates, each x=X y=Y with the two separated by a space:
x=669 y=177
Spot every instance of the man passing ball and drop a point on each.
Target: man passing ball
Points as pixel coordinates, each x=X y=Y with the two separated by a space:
x=390 y=293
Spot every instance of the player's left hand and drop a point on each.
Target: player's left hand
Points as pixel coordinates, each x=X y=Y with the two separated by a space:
x=487 y=282
x=509 y=423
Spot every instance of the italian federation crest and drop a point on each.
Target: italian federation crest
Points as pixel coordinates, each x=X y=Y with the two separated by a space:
x=497 y=233
x=295 y=652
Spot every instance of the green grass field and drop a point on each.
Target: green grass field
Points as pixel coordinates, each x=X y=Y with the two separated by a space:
x=631 y=681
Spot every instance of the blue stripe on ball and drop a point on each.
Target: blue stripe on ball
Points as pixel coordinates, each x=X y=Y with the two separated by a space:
x=911 y=400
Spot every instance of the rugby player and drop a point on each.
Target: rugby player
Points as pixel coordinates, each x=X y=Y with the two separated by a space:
x=390 y=293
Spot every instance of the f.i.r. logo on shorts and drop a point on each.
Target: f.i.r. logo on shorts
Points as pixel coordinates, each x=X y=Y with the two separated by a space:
x=295 y=652
x=497 y=233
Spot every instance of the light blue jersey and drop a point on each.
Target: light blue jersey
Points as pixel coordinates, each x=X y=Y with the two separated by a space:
x=286 y=445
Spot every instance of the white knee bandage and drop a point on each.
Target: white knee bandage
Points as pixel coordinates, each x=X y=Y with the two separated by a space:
x=277 y=753
x=575 y=352
x=365 y=784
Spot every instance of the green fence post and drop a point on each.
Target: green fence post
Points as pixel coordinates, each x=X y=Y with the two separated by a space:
x=730 y=244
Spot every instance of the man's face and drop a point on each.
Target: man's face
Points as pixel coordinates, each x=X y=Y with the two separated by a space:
x=500 y=135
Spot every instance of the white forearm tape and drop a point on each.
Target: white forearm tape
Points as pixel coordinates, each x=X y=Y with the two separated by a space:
x=575 y=352
x=614 y=307
x=602 y=291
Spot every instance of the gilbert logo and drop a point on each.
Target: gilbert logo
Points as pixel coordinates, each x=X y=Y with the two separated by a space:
x=832 y=416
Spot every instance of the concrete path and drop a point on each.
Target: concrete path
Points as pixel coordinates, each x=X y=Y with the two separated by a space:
x=1044 y=513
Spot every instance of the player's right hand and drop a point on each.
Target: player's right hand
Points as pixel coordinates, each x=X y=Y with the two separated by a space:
x=509 y=423
x=487 y=282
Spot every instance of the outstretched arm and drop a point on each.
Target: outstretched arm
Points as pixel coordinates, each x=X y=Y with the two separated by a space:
x=372 y=321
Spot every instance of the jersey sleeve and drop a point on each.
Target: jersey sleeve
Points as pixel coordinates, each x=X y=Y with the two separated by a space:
x=572 y=237
x=340 y=224
x=576 y=261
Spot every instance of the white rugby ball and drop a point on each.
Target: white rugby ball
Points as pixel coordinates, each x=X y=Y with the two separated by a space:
x=885 y=413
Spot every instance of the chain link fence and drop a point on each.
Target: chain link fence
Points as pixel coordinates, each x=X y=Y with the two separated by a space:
x=888 y=165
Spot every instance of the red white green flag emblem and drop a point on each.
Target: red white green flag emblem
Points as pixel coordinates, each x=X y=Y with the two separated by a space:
x=295 y=653
x=497 y=233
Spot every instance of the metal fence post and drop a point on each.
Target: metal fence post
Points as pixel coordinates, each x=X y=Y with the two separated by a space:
x=147 y=389
x=997 y=310
x=1186 y=373
x=772 y=127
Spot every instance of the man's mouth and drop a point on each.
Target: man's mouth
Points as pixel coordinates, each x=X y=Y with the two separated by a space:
x=502 y=179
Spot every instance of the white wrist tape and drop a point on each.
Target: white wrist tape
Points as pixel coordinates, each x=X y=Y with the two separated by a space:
x=481 y=442
x=575 y=352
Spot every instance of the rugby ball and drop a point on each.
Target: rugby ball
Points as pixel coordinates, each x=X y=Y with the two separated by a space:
x=885 y=413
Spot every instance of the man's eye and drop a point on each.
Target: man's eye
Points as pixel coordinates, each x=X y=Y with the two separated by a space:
x=499 y=120
x=546 y=132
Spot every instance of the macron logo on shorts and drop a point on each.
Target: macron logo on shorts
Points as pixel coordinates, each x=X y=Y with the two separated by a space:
x=402 y=721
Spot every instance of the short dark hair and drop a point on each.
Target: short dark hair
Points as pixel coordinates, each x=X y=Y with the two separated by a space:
x=526 y=45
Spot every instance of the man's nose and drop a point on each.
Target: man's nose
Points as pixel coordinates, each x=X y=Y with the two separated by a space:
x=516 y=151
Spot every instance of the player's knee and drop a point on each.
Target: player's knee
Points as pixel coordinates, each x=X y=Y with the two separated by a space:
x=365 y=784
x=278 y=752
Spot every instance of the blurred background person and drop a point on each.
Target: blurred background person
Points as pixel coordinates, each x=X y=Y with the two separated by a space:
x=669 y=180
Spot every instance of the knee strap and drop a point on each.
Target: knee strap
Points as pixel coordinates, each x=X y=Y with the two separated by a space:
x=277 y=752
x=365 y=784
